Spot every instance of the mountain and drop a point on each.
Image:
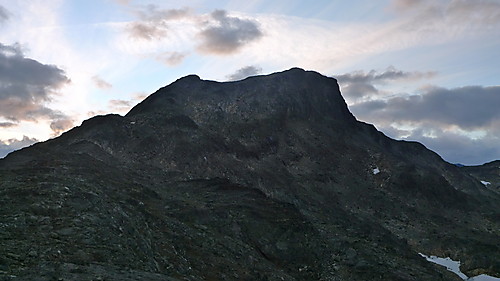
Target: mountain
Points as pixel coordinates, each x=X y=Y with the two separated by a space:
x=268 y=178
x=488 y=174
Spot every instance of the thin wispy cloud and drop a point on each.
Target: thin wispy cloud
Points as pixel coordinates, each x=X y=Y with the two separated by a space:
x=4 y=15
x=123 y=2
x=171 y=58
x=244 y=72
x=101 y=83
x=389 y=74
x=404 y=5
x=153 y=23
x=121 y=106
x=455 y=16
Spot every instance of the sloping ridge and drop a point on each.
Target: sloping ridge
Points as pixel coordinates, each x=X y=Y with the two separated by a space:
x=268 y=178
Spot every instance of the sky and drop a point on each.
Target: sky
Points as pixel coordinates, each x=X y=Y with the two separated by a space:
x=419 y=70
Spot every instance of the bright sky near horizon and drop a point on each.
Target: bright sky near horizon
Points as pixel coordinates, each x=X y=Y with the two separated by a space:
x=420 y=70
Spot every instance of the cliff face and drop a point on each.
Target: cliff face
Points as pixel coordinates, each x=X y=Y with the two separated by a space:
x=268 y=178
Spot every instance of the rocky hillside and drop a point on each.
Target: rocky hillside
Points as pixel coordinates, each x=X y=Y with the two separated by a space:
x=488 y=174
x=268 y=178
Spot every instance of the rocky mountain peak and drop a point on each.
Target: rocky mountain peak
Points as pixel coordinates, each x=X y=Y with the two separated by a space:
x=294 y=93
x=267 y=178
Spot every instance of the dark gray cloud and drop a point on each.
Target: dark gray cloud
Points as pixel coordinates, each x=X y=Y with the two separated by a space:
x=389 y=74
x=245 y=72
x=216 y=33
x=451 y=146
x=360 y=84
x=461 y=124
x=101 y=83
x=7 y=124
x=26 y=85
x=468 y=108
x=153 y=23
x=4 y=15
x=7 y=146
x=226 y=35
x=171 y=58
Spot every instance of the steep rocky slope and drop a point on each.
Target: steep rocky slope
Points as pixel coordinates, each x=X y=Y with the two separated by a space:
x=269 y=178
x=488 y=174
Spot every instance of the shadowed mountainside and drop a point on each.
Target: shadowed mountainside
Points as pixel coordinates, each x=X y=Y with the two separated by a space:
x=268 y=178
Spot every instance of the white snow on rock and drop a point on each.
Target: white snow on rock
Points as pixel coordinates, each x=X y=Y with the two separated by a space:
x=451 y=265
x=454 y=266
x=483 y=277
x=376 y=171
x=486 y=183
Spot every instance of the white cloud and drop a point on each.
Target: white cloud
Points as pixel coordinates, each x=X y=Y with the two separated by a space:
x=7 y=146
x=101 y=83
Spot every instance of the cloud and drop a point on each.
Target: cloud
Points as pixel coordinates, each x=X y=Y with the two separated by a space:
x=60 y=125
x=359 y=84
x=7 y=124
x=461 y=124
x=153 y=23
x=389 y=74
x=463 y=13
x=4 y=15
x=26 y=85
x=153 y=13
x=7 y=146
x=404 y=5
x=121 y=106
x=101 y=83
x=123 y=2
x=217 y=33
x=226 y=35
x=452 y=146
x=467 y=108
x=171 y=58
x=244 y=72
x=147 y=31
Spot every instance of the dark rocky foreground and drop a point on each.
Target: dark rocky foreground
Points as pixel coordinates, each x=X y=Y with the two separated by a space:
x=269 y=178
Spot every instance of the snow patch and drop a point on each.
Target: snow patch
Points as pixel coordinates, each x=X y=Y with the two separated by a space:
x=454 y=266
x=483 y=277
x=376 y=171
x=451 y=265
x=486 y=183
